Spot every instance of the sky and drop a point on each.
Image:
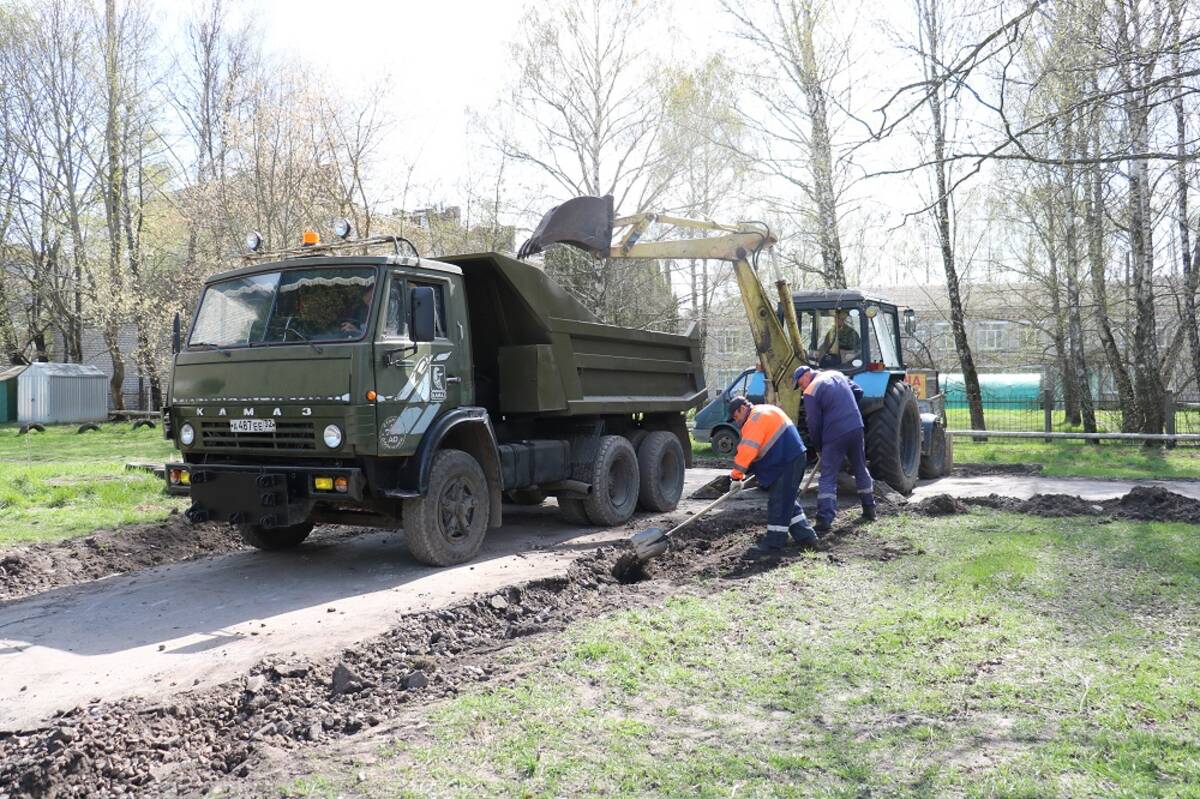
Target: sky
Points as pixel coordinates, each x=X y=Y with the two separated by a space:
x=447 y=59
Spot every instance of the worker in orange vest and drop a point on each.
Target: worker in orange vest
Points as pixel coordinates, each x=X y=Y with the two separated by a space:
x=772 y=450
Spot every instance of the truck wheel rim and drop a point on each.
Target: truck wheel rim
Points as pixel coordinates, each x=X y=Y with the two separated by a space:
x=457 y=509
x=618 y=484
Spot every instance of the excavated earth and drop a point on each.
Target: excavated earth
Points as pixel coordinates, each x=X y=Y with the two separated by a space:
x=140 y=747
x=1142 y=503
x=40 y=567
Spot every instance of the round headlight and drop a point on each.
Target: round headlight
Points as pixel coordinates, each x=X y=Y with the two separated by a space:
x=254 y=241
x=341 y=228
x=187 y=434
x=333 y=436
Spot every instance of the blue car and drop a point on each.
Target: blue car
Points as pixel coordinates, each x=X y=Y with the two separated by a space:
x=713 y=423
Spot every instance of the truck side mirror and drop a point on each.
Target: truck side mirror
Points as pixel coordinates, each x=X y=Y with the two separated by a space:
x=910 y=321
x=421 y=302
x=175 y=335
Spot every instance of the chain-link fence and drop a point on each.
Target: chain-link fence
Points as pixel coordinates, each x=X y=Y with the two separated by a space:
x=1025 y=406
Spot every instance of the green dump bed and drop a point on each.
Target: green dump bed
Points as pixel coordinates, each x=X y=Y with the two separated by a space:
x=537 y=350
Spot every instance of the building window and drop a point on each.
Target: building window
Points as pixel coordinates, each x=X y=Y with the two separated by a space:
x=991 y=336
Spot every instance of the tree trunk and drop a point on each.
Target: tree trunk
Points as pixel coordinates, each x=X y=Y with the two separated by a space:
x=1190 y=259
x=942 y=214
x=825 y=195
x=1094 y=214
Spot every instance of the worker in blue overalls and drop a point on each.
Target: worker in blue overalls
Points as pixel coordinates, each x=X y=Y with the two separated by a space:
x=835 y=429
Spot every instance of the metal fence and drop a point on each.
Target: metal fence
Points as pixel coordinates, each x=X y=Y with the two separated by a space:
x=1045 y=413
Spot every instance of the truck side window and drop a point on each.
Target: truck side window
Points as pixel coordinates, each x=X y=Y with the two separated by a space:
x=394 y=321
x=439 y=322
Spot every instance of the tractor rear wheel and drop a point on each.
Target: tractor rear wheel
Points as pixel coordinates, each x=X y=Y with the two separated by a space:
x=894 y=439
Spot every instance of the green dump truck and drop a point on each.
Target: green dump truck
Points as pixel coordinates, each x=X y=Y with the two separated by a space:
x=325 y=385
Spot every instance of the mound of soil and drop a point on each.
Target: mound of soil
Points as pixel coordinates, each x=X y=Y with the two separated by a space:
x=40 y=567
x=1156 y=504
x=1142 y=503
x=185 y=746
x=939 y=505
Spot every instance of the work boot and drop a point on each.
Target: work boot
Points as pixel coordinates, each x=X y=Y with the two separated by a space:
x=805 y=538
x=824 y=525
x=763 y=550
x=869 y=512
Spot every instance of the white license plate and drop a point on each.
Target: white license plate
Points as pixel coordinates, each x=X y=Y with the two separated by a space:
x=252 y=425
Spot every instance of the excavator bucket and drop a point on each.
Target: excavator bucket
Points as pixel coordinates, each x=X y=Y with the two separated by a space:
x=585 y=222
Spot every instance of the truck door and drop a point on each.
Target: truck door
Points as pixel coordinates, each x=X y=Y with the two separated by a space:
x=416 y=381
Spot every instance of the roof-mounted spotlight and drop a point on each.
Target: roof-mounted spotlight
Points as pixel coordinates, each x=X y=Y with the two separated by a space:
x=342 y=228
x=254 y=241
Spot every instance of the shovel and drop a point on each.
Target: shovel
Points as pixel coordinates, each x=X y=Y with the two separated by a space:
x=653 y=542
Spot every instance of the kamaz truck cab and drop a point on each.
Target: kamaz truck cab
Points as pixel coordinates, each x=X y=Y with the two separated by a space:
x=327 y=384
x=904 y=412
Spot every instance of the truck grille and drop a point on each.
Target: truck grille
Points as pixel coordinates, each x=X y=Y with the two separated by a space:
x=287 y=435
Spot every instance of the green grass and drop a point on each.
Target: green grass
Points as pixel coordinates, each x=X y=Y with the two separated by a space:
x=61 y=483
x=1011 y=657
x=1084 y=459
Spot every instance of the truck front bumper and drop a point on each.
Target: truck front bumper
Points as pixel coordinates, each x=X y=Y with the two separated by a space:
x=269 y=496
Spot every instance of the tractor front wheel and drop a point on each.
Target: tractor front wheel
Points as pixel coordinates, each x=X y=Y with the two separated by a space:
x=894 y=439
x=724 y=442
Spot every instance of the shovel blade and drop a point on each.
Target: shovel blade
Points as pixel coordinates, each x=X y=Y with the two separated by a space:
x=649 y=543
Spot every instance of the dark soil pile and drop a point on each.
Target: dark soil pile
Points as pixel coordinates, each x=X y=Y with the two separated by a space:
x=939 y=505
x=1155 y=504
x=138 y=747
x=40 y=567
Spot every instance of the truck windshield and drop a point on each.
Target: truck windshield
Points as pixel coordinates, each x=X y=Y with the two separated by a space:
x=328 y=304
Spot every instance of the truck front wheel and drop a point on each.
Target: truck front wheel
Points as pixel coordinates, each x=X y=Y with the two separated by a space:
x=614 y=494
x=660 y=465
x=447 y=525
x=274 y=537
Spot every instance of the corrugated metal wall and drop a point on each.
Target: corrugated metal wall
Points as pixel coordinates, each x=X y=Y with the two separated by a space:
x=62 y=392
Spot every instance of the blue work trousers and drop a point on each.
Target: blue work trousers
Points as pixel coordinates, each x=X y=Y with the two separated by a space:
x=784 y=513
x=833 y=454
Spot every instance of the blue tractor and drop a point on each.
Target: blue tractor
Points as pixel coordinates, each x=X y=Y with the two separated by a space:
x=904 y=411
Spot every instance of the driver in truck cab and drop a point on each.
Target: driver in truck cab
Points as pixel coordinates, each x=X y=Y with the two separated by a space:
x=354 y=316
x=772 y=450
x=842 y=343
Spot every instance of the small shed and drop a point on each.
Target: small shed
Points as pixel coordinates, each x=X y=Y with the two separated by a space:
x=8 y=393
x=62 y=392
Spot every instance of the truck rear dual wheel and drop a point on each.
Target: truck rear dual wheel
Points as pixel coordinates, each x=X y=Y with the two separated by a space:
x=274 y=537
x=447 y=525
x=894 y=439
x=660 y=469
x=615 y=483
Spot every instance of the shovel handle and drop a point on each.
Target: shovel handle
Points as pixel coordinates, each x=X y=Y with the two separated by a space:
x=704 y=510
x=808 y=480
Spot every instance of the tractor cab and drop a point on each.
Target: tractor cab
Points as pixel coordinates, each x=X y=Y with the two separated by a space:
x=859 y=334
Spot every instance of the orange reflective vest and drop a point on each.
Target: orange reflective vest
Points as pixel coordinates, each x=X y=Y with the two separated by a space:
x=760 y=432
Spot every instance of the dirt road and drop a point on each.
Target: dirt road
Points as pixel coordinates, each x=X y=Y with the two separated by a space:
x=157 y=631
